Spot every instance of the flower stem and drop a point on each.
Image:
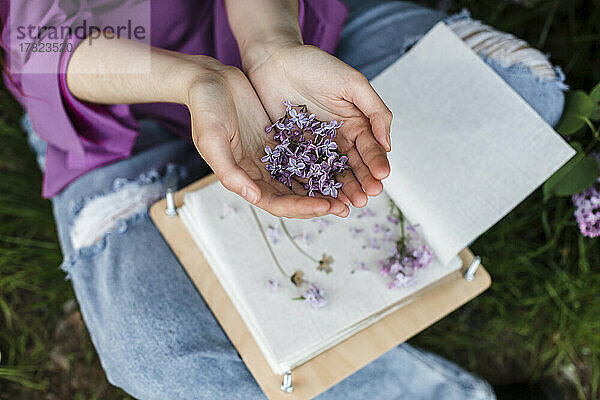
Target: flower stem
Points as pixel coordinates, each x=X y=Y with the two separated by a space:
x=287 y=233
x=264 y=236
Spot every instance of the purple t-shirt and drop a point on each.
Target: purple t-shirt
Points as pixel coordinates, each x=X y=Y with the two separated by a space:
x=82 y=136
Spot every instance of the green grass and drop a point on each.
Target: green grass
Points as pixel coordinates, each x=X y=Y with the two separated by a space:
x=540 y=320
x=39 y=355
x=540 y=316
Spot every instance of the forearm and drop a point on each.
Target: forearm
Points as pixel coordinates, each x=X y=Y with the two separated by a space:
x=260 y=25
x=121 y=71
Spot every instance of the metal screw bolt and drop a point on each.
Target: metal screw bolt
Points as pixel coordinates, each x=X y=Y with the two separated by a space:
x=286 y=384
x=171 y=210
x=470 y=272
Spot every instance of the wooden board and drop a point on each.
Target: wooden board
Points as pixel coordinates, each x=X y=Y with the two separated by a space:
x=335 y=364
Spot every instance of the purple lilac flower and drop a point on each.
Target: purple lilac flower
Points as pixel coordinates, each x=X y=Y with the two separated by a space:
x=410 y=254
x=303 y=238
x=401 y=280
x=587 y=208
x=393 y=219
x=314 y=296
x=330 y=187
x=273 y=234
x=366 y=213
x=296 y=167
x=271 y=155
x=305 y=150
x=273 y=285
x=587 y=211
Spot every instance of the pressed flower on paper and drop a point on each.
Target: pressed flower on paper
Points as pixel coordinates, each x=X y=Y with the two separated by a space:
x=409 y=254
x=298 y=278
x=314 y=296
x=325 y=264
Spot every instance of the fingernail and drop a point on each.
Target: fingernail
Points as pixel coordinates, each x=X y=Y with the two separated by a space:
x=249 y=194
x=389 y=141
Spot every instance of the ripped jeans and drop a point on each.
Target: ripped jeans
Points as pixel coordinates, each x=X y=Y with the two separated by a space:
x=154 y=334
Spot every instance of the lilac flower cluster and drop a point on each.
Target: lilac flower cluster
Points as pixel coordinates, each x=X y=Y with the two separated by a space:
x=305 y=150
x=587 y=209
x=409 y=255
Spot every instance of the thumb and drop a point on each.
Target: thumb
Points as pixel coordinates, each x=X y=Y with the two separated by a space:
x=216 y=151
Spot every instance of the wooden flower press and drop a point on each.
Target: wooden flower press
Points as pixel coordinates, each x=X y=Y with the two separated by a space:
x=335 y=364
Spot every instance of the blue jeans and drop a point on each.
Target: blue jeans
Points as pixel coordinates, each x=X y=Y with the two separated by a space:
x=154 y=334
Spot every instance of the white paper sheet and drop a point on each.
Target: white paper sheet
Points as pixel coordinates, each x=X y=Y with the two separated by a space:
x=290 y=332
x=466 y=148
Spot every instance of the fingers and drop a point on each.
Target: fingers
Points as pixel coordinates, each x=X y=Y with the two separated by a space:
x=352 y=190
x=337 y=206
x=298 y=206
x=343 y=198
x=373 y=155
x=216 y=151
x=370 y=104
x=371 y=186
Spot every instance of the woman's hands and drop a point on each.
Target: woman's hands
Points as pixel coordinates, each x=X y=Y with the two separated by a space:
x=281 y=67
x=331 y=89
x=228 y=122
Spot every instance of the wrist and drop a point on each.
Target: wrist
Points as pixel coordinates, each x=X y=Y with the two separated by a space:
x=261 y=27
x=255 y=51
x=190 y=72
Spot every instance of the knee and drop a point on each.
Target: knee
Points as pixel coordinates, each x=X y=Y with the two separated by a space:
x=165 y=375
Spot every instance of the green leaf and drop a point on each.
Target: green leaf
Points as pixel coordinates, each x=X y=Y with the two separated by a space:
x=579 y=173
x=578 y=106
x=595 y=96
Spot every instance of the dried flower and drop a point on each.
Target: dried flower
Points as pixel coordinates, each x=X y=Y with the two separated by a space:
x=273 y=234
x=401 y=280
x=325 y=264
x=314 y=296
x=410 y=254
x=273 y=285
x=304 y=238
x=393 y=219
x=305 y=150
x=298 y=278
